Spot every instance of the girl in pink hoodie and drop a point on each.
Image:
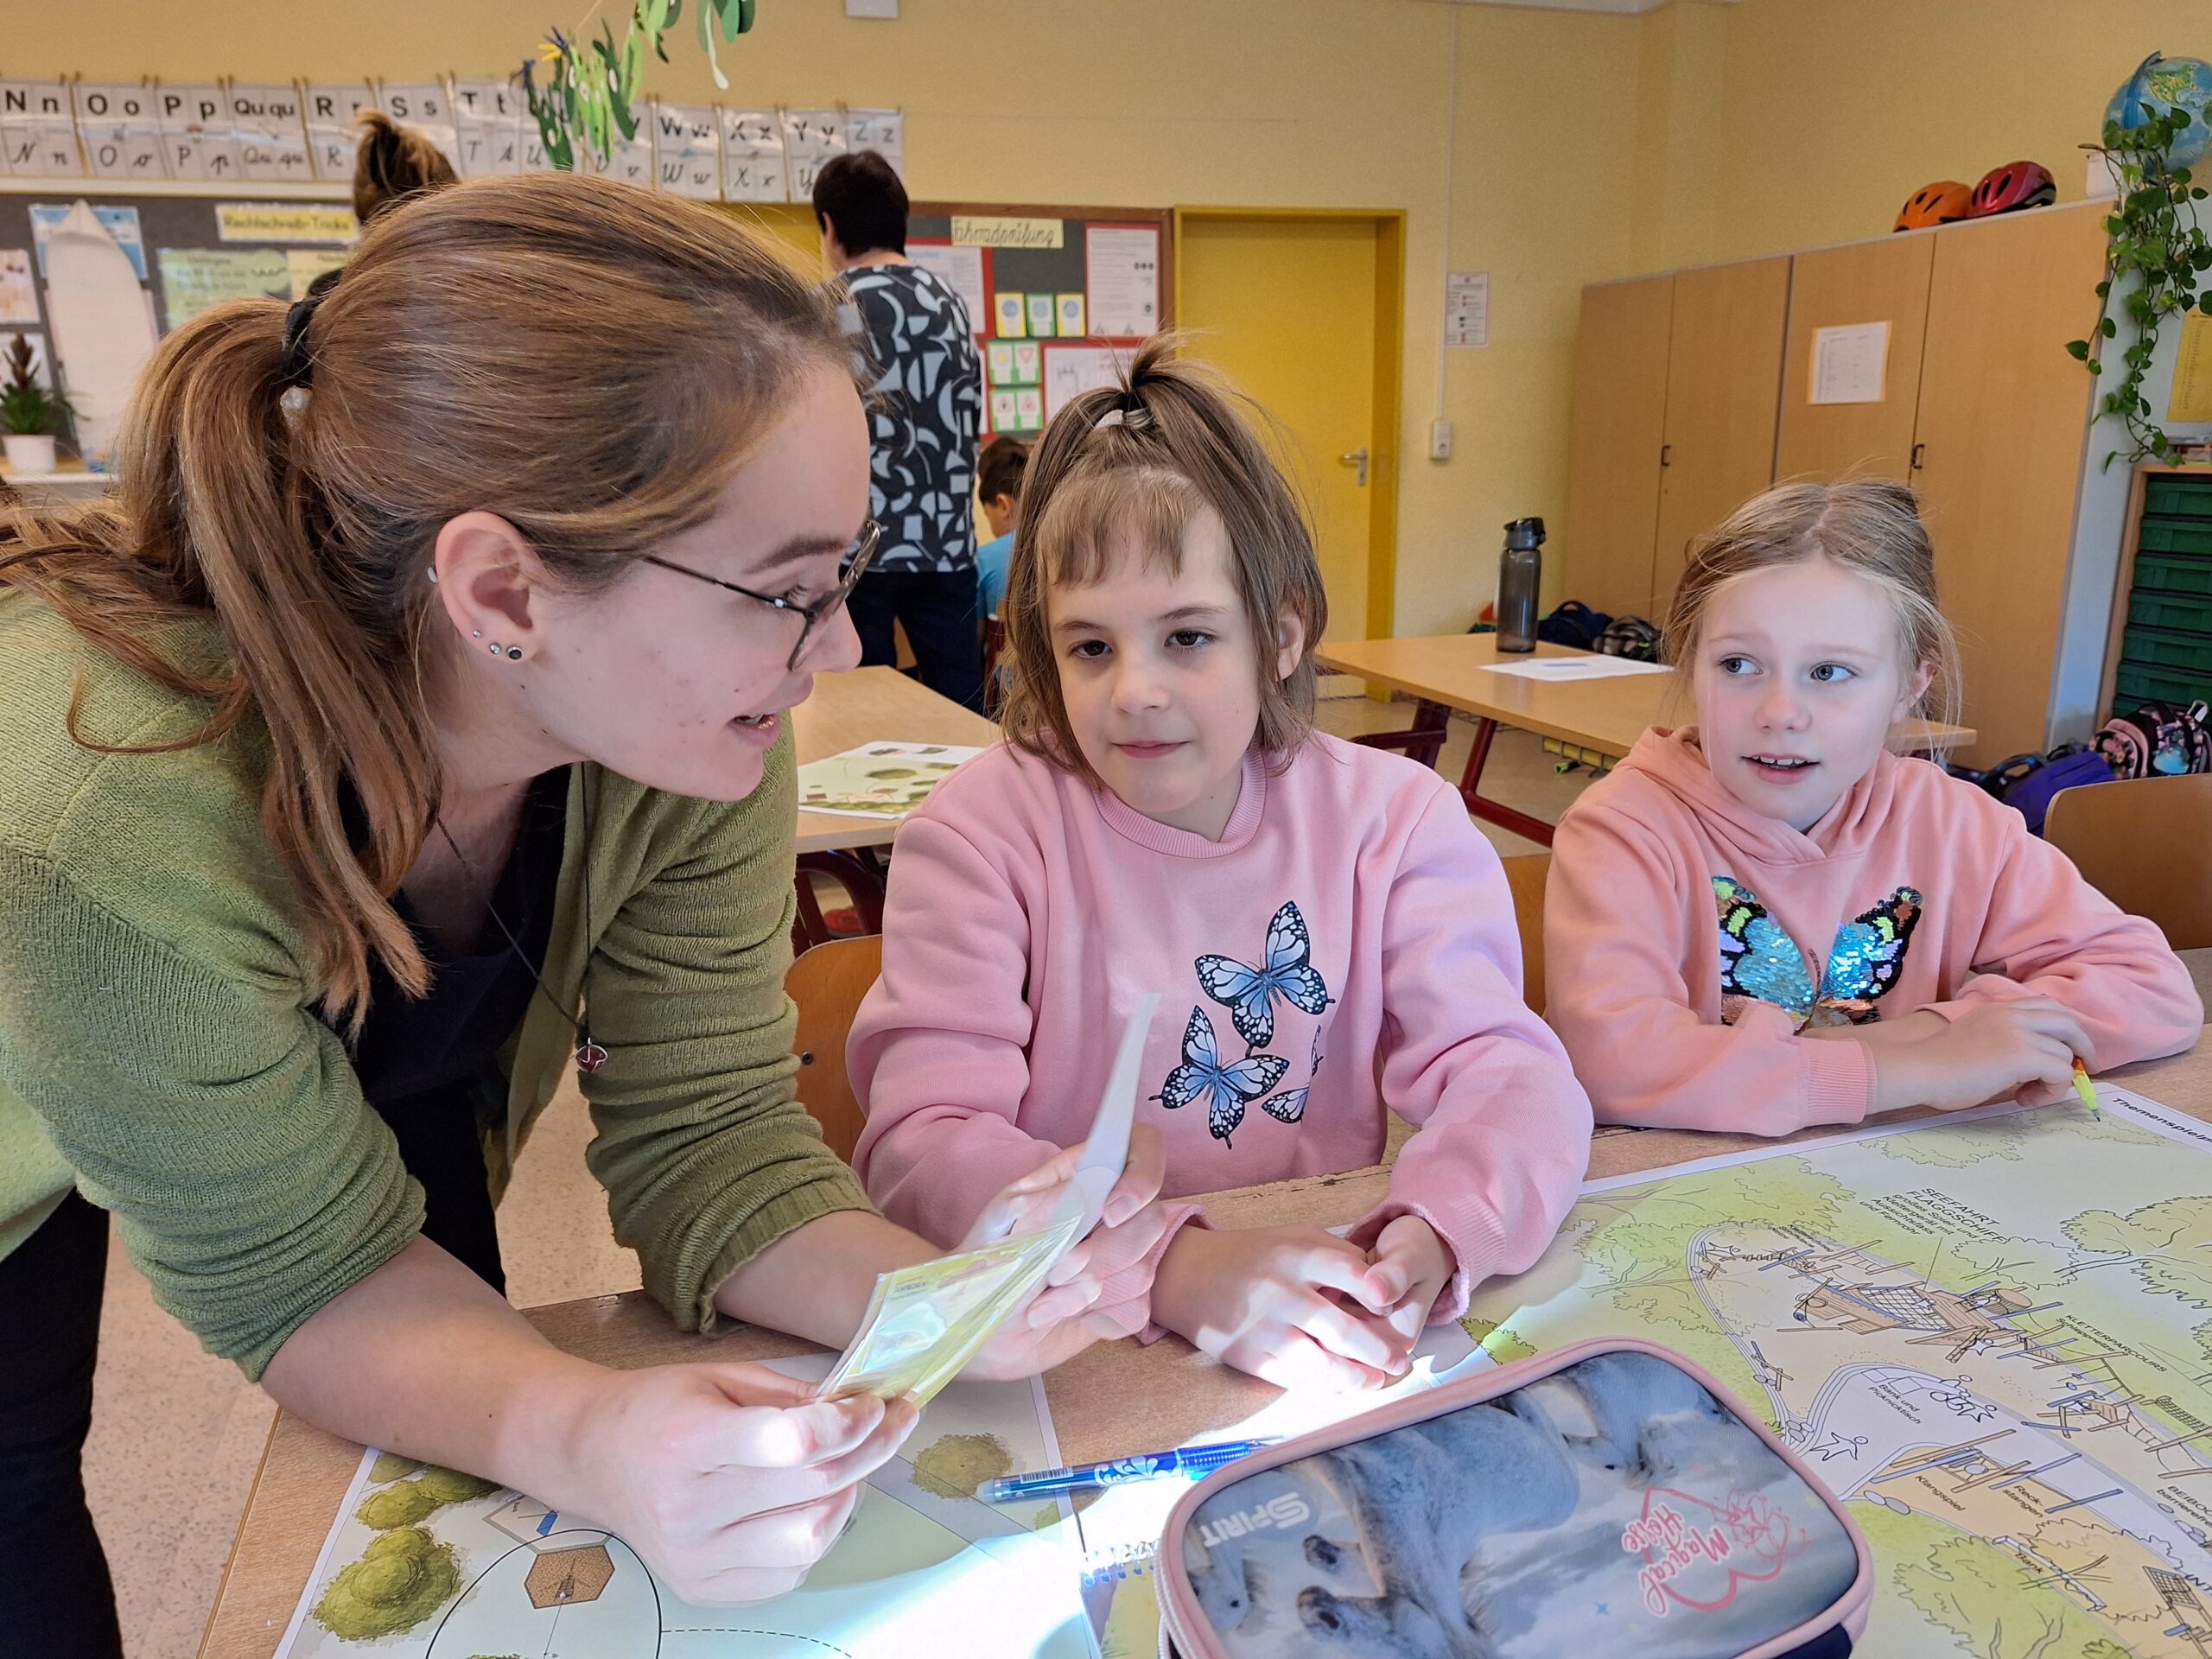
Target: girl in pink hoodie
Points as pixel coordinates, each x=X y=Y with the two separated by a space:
x=1333 y=939
x=1768 y=920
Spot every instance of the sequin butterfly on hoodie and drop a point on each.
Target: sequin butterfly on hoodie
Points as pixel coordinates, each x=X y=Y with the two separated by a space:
x=1287 y=971
x=1226 y=1089
x=1759 y=962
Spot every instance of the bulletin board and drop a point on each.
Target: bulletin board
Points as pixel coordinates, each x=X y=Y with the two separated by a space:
x=189 y=252
x=1060 y=296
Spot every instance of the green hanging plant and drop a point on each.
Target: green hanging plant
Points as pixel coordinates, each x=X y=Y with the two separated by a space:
x=595 y=87
x=2157 y=243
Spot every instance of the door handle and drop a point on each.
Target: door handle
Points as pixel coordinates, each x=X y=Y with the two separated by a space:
x=1666 y=455
x=1919 y=456
x=1356 y=458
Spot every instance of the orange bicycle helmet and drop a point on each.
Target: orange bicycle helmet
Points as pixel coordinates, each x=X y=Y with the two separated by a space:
x=1933 y=204
x=2013 y=185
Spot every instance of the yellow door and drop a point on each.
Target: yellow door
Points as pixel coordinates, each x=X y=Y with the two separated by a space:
x=1286 y=306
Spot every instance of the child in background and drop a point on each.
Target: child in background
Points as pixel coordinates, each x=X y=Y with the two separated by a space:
x=1333 y=938
x=1768 y=921
x=998 y=481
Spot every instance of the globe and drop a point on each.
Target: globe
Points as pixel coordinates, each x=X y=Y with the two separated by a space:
x=2163 y=84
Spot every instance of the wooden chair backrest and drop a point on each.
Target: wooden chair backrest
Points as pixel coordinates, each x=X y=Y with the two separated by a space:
x=2145 y=843
x=827 y=983
x=1524 y=874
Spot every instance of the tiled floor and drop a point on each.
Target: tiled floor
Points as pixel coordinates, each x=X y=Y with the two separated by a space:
x=178 y=1435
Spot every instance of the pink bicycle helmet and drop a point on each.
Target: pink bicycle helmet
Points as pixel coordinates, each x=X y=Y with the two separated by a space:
x=2013 y=185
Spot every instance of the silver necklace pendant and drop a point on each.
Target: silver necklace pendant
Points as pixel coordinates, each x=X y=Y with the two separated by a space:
x=590 y=1056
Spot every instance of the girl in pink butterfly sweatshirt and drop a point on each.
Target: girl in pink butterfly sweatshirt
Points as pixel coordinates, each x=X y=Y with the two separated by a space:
x=1767 y=921
x=1332 y=939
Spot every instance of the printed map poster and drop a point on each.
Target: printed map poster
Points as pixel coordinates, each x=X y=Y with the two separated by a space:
x=425 y=1563
x=1990 y=1334
x=878 y=780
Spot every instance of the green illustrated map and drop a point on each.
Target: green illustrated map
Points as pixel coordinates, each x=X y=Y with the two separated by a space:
x=878 y=780
x=1991 y=1335
x=424 y=1563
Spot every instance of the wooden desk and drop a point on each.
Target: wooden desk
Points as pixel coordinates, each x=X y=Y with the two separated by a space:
x=872 y=705
x=1447 y=671
x=1115 y=1399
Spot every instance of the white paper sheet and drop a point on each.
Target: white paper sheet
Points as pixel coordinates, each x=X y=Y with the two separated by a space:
x=1848 y=363
x=752 y=157
x=1070 y=370
x=1121 y=272
x=960 y=270
x=120 y=124
x=1467 y=309
x=103 y=323
x=18 y=298
x=332 y=141
x=1563 y=669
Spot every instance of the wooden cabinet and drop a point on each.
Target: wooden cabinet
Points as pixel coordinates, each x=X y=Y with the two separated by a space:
x=2002 y=420
x=1620 y=412
x=1836 y=287
x=1724 y=375
x=1982 y=412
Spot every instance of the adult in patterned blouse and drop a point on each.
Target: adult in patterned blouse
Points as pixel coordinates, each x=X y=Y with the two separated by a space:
x=915 y=347
x=413 y=719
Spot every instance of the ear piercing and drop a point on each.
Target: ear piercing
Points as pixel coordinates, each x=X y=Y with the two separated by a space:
x=512 y=653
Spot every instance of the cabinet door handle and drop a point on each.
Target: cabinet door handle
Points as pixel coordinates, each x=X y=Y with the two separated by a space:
x=1666 y=455
x=1919 y=455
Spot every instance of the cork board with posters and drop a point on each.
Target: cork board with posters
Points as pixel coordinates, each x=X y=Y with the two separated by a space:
x=1075 y=288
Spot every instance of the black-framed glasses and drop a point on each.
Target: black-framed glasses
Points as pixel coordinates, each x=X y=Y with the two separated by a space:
x=850 y=569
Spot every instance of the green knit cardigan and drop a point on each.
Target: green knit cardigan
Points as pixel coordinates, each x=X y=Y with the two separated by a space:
x=160 y=1049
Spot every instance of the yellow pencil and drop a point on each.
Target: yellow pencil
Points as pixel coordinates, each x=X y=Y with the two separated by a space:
x=2084 y=1088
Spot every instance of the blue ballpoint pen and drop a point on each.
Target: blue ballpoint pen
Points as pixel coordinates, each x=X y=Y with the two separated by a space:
x=1192 y=1460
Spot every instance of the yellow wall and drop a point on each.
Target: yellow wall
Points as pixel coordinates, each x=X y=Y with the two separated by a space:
x=1802 y=122
x=1306 y=102
x=1591 y=146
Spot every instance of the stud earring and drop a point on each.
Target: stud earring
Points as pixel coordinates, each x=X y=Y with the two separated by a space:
x=433 y=574
x=514 y=653
x=476 y=634
x=493 y=648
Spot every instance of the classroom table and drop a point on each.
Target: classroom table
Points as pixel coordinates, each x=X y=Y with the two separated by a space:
x=872 y=705
x=1114 y=1400
x=1447 y=671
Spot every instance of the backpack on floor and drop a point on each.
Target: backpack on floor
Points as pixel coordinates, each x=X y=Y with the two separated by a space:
x=1630 y=637
x=2156 y=740
x=1573 y=624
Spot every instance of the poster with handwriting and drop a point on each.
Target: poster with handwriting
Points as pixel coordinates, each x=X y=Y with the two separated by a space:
x=271 y=137
x=687 y=150
x=120 y=126
x=752 y=157
x=333 y=143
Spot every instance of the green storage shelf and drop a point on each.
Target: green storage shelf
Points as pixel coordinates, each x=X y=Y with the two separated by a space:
x=2173 y=573
x=2176 y=535
x=2189 y=614
x=2152 y=648
x=2134 y=685
x=2187 y=497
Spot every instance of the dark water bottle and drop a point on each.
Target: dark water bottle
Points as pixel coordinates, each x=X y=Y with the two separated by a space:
x=1520 y=573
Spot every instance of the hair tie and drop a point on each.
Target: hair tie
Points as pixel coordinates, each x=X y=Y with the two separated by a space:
x=1130 y=413
x=298 y=369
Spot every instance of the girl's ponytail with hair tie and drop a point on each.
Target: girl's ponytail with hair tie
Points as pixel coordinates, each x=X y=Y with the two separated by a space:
x=1131 y=413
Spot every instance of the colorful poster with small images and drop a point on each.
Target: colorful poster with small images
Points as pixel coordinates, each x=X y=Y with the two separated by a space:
x=1029 y=409
x=879 y=781
x=1072 y=319
x=1012 y=316
x=999 y=354
x=1042 y=315
x=1025 y=370
x=1006 y=413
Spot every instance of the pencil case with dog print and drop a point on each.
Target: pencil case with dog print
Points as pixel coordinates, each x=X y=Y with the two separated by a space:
x=1607 y=1499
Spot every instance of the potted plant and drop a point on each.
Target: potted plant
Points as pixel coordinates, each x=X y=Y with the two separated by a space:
x=30 y=415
